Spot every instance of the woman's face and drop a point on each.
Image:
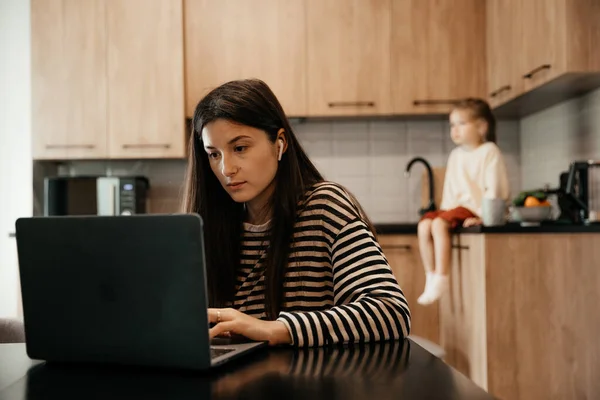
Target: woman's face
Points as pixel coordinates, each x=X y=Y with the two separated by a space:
x=243 y=159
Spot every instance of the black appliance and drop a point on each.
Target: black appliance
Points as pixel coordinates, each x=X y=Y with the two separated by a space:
x=578 y=194
x=95 y=195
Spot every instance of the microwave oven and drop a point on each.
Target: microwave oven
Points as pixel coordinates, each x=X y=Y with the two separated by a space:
x=95 y=195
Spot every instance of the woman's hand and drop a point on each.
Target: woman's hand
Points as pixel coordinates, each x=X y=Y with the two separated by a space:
x=230 y=321
x=471 y=222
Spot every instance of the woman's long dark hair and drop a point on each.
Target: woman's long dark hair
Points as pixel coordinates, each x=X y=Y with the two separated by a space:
x=250 y=103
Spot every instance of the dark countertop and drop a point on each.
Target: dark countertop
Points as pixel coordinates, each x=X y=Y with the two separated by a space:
x=410 y=228
x=400 y=228
x=545 y=227
x=390 y=370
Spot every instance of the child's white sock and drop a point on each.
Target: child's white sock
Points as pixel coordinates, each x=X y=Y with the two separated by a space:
x=428 y=276
x=438 y=285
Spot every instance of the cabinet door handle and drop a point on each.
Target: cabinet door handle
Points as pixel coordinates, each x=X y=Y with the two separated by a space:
x=69 y=146
x=458 y=246
x=502 y=89
x=534 y=71
x=351 y=104
x=12 y=234
x=434 y=102
x=147 y=146
x=398 y=247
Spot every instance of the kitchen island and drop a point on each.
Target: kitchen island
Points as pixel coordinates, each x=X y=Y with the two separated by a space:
x=520 y=318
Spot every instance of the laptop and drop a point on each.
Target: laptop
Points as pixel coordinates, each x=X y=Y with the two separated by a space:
x=127 y=290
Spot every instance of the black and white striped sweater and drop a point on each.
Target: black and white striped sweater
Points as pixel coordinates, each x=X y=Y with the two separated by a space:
x=338 y=286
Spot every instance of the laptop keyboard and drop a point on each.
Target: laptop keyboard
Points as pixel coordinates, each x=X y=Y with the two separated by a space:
x=217 y=352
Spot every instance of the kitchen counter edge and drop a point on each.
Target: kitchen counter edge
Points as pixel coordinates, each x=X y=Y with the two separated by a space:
x=513 y=227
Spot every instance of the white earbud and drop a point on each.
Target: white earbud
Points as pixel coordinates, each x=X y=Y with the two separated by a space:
x=280 y=150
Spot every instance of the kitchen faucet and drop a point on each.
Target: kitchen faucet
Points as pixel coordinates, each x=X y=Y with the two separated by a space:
x=431 y=205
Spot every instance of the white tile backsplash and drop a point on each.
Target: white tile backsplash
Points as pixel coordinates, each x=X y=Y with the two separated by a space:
x=426 y=139
x=348 y=166
x=388 y=138
x=551 y=139
x=369 y=157
x=388 y=165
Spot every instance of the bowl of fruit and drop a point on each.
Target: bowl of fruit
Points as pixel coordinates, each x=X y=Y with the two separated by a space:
x=531 y=208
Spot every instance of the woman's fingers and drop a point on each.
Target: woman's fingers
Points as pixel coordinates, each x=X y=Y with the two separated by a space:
x=221 y=328
x=217 y=315
x=226 y=320
x=235 y=322
x=213 y=315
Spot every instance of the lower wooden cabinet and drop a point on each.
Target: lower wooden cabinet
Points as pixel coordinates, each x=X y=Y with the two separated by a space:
x=521 y=318
x=402 y=253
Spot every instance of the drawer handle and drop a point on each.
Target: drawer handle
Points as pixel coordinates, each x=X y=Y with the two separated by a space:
x=458 y=246
x=434 y=102
x=398 y=247
x=502 y=89
x=534 y=71
x=351 y=104
x=147 y=146
x=69 y=146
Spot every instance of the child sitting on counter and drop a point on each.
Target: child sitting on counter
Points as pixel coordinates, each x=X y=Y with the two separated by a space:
x=475 y=170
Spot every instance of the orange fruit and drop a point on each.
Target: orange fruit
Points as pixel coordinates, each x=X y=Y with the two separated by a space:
x=531 y=201
x=545 y=203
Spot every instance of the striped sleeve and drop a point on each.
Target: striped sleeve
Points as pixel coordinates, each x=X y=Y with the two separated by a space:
x=368 y=302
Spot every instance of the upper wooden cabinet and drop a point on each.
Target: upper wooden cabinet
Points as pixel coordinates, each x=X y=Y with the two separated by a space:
x=504 y=41
x=438 y=54
x=108 y=75
x=560 y=36
x=107 y=79
x=542 y=50
x=548 y=45
x=145 y=79
x=68 y=79
x=238 y=39
x=348 y=46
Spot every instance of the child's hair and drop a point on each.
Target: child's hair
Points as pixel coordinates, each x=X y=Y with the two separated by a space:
x=480 y=109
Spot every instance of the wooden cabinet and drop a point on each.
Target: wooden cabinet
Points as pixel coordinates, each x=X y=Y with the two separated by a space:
x=560 y=36
x=348 y=44
x=542 y=316
x=145 y=79
x=541 y=52
x=107 y=79
x=463 y=310
x=402 y=253
x=264 y=39
x=543 y=37
x=68 y=79
x=438 y=54
x=504 y=42
x=520 y=317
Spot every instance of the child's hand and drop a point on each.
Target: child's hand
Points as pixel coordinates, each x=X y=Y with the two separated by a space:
x=471 y=222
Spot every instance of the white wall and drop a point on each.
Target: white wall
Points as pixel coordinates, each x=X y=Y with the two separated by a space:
x=16 y=193
x=552 y=138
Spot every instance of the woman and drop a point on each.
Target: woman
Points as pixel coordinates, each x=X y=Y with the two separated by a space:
x=291 y=258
